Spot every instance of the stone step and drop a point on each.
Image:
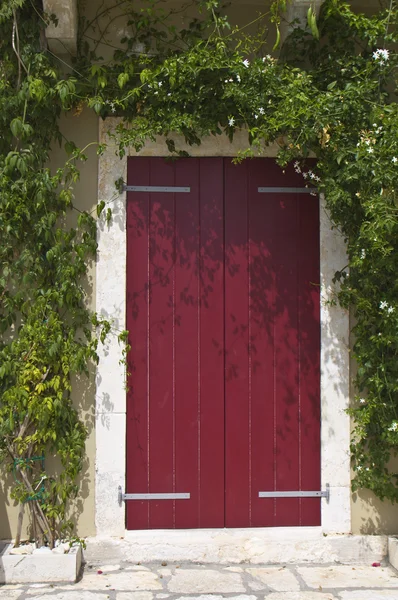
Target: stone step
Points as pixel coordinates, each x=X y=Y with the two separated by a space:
x=234 y=546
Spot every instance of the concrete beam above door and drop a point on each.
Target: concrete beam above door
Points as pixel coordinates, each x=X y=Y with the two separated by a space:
x=62 y=38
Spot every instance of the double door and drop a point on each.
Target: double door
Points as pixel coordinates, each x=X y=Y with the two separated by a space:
x=223 y=313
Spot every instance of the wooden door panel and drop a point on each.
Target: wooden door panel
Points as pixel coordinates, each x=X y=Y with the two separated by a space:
x=272 y=347
x=175 y=407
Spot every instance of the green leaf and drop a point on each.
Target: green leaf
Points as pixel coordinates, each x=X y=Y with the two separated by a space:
x=123 y=79
x=16 y=127
x=100 y=207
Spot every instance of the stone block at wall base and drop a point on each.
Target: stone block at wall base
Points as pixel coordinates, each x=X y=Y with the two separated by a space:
x=393 y=551
x=40 y=568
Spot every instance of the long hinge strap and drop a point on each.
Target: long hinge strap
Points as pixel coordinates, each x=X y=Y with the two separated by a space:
x=156 y=188
x=160 y=496
x=297 y=494
x=287 y=190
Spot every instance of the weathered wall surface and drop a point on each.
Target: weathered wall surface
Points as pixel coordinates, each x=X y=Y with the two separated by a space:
x=82 y=130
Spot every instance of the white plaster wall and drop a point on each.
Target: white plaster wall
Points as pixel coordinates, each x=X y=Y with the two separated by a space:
x=111 y=395
x=335 y=423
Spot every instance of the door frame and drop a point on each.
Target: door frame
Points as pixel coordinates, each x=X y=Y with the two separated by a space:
x=110 y=413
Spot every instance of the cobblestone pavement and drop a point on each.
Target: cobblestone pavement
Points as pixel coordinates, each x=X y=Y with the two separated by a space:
x=162 y=581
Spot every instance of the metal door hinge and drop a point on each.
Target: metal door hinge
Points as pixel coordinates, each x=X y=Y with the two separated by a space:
x=166 y=496
x=156 y=188
x=287 y=190
x=298 y=494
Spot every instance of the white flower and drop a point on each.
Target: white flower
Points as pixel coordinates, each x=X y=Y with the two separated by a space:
x=393 y=427
x=246 y=62
x=363 y=253
x=381 y=55
x=362 y=401
x=359 y=468
x=238 y=78
x=231 y=121
x=311 y=174
x=390 y=310
x=268 y=57
x=370 y=150
x=160 y=83
x=317 y=179
x=113 y=109
x=261 y=110
x=394 y=159
x=383 y=305
x=256 y=116
x=305 y=175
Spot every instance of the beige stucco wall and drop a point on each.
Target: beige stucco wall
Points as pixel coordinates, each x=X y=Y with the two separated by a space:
x=82 y=130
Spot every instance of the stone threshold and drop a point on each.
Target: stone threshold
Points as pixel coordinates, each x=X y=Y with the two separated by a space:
x=40 y=568
x=282 y=545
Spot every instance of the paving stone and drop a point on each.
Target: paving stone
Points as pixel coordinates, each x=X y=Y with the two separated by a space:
x=109 y=568
x=215 y=597
x=369 y=595
x=72 y=595
x=10 y=594
x=276 y=578
x=134 y=596
x=300 y=596
x=45 y=589
x=201 y=597
x=137 y=568
x=191 y=581
x=164 y=572
x=122 y=580
x=349 y=577
x=234 y=569
x=162 y=596
x=256 y=586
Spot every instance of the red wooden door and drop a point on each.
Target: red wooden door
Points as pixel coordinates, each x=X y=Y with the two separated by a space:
x=223 y=314
x=272 y=339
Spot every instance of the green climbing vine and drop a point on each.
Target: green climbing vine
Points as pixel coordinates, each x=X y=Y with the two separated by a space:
x=330 y=93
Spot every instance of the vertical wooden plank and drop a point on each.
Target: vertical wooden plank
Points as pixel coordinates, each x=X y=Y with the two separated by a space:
x=186 y=343
x=237 y=382
x=161 y=343
x=137 y=307
x=262 y=308
x=286 y=360
x=309 y=339
x=211 y=409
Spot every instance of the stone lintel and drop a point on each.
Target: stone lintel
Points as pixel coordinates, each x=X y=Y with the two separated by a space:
x=62 y=38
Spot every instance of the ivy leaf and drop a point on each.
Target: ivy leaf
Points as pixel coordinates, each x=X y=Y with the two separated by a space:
x=100 y=207
x=123 y=79
x=16 y=127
